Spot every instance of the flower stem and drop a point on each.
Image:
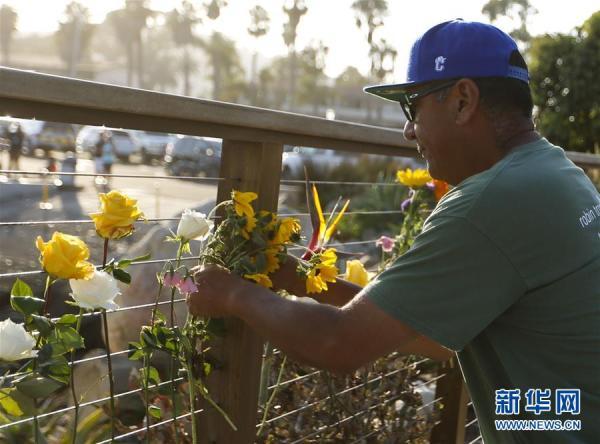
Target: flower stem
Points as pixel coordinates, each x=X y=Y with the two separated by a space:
x=192 y=396
x=272 y=397
x=36 y=425
x=71 y=376
x=110 y=377
x=176 y=352
x=146 y=397
x=46 y=294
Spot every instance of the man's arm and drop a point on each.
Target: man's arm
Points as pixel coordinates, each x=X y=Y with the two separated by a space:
x=337 y=339
x=286 y=278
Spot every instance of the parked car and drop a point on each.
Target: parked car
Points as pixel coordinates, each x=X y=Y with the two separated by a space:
x=192 y=156
x=296 y=157
x=152 y=145
x=50 y=135
x=88 y=136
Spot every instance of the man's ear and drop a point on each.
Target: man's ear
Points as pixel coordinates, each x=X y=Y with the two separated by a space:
x=466 y=100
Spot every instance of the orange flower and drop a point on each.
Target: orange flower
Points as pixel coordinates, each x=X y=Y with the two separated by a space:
x=440 y=188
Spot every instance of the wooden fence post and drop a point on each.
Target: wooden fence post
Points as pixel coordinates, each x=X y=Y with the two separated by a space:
x=234 y=383
x=451 y=388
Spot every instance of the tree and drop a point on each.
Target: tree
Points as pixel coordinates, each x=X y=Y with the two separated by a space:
x=312 y=63
x=160 y=59
x=228 y=74
x=213 y=8
x=294 y=13
x=259 y=26
x=369 y=16
x=74 y=35
x=182 y=22
x=511 y=8
x=348 y=88
x=8 y=26
x=129 y=24
x=565 y=89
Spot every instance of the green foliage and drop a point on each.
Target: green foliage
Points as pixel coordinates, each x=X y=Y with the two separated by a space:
x=512 y=9
x=565 y=88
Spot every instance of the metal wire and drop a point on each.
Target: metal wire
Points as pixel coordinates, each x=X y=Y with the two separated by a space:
x=85 y=404
x=131 y=176
x=291 y=381
x=345 y=391
x=164 y=219
x=346 y=419
x=158 y=424
x=152 y=261
x=336 y=182
x=201 y=179
x=80 y=222
x=470 y=423
x=479 y=438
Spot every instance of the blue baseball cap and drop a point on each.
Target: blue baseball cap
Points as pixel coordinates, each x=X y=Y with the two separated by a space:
x=457 y=49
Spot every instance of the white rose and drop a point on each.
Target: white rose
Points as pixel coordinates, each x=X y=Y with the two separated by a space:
x=193 y=225
x=15 y=342
x=97 y=292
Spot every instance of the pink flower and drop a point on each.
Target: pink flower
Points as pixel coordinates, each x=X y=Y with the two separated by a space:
x=171 y=280
x=386 y=243
x=187 y=286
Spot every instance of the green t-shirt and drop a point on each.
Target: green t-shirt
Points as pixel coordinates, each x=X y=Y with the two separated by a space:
x=507 y=273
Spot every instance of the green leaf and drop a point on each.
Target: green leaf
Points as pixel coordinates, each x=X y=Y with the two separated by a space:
x=8 y=404
x=149 y=376
x=135 y=351
x=26 y=305
x=122 y=275
x=38 y=386
x=67 y=319
x=42 y=324
x=155 y=411
x=207 y=368
x=20 y=288
x=65 y=339
x=124 y=263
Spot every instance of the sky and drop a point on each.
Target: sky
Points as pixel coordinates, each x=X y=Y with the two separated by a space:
x=331 y=21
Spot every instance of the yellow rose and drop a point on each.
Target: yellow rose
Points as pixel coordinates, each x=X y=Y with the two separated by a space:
x=241 y=204
x=261 y=279
x=117 y=214
x=413 y=179
x=356 y=273
x=64 y=256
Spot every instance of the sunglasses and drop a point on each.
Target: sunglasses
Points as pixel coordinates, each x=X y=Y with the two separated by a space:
x=407 y=101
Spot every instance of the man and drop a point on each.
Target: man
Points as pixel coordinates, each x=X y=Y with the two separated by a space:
x=506 y=272
x=16 y=137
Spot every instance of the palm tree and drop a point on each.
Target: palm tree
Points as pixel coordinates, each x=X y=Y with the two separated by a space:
x=294 y=13
x=74 y=35
x=259 y=26
x=8 y=25
x=213 y=8
x=369 y=16
x=129 y=24
x=228 y=74
x=312 y=91
x=181 y=22
x=523 y=8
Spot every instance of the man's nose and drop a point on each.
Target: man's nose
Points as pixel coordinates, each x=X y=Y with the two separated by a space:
x=409 y=131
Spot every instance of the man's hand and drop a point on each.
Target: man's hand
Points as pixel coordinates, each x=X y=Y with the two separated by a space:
x=217 y=287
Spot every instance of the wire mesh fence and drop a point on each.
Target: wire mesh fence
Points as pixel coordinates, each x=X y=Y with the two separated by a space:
x=306 y=405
